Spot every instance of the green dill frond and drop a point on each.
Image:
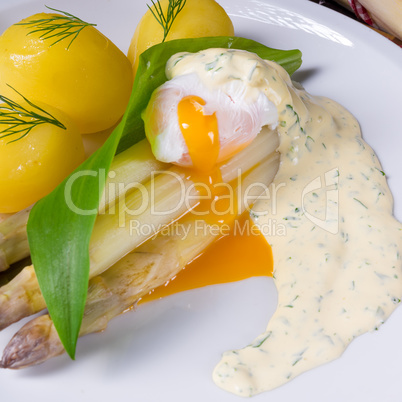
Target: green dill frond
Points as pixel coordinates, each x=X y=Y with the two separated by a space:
x=21 y=120
x=166 y=21
x=57 y=27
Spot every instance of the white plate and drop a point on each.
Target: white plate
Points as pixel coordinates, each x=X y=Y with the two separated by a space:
x=166 y=350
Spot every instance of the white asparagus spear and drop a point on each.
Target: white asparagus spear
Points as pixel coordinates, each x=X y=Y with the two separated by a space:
x=117 y=289
x=13 y=239
x=4 y=217
x=113 y=237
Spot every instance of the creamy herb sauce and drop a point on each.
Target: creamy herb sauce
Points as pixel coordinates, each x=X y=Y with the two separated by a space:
x=338 y=267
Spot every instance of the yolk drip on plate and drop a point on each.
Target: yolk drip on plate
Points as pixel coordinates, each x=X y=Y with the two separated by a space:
x=242 y=254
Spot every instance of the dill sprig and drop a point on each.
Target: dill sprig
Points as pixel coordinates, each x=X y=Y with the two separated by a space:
x=20 y=119
x=166 y=21
x=59 y=27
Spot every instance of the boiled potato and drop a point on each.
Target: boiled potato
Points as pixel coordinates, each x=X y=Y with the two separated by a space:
x=32 y=166
x=89 y=79
x=198 y=18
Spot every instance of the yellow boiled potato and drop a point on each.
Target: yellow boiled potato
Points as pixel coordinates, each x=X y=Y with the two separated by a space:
x=198 y=18
x=33 y=166
x=90 y=79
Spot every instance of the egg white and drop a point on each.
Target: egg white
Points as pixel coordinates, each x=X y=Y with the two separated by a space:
x=240 y=118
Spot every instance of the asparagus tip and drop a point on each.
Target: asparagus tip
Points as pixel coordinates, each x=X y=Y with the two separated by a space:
x=29 y=346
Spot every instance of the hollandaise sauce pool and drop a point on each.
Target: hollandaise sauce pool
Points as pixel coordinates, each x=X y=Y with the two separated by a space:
x=337 y=263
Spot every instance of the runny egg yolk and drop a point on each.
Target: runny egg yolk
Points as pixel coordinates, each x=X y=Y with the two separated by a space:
x=200 y=133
